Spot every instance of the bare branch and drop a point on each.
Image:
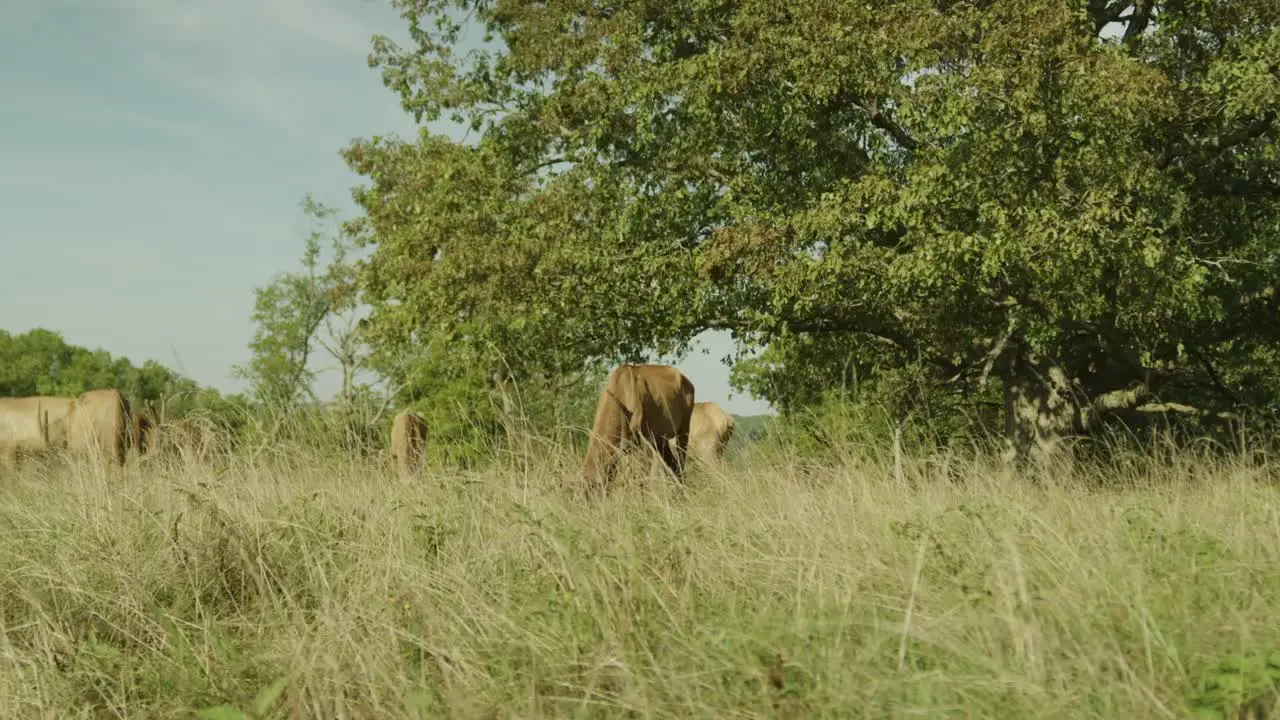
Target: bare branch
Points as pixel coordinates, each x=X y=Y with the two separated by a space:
x=1125 y=399
x=823 y=325
x=547 y=163
x=704 y=168
x=1120 y=399
x=1234 y=187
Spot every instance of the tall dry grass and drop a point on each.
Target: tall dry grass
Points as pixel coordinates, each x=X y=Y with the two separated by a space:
x=325 y=588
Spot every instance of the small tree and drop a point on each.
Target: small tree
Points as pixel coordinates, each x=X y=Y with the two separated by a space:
x=298 y=312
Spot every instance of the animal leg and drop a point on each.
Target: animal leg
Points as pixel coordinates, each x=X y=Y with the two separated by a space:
x=681 y=452
x=608 y=468
x=669 y=456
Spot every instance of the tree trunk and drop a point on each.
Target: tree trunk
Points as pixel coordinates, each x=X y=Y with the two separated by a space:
x=1042 y=408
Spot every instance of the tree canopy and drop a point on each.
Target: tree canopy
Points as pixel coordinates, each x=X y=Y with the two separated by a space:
x=1078 y=199
x=41 y=362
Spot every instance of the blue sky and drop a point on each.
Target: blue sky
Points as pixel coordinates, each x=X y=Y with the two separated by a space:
x=154 y=153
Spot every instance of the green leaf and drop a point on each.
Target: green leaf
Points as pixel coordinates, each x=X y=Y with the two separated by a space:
x=268 y=695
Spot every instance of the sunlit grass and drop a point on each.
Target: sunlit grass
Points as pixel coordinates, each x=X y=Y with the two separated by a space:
x=773 y=589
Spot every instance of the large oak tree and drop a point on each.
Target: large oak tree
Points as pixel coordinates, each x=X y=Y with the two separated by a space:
x=1076 y=198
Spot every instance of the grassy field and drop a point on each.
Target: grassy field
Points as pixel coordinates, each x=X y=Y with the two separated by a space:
x=328 y=589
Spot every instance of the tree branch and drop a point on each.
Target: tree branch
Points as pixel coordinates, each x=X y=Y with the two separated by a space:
x=1138 y=23
x=1104 y=13
x=1251 y=131
x=1214 y=377
x=996 y=351
x=703 y=168
x=816 y=326
x=1134 y=399
x=1214 y=187
x=1125 y=399
x=547 y=163
x=821 y=326
x=1259 y=127
x=1183 y=410
x=884 y=122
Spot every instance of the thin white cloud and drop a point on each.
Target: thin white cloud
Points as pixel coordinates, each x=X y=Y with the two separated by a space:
x=274 y=100
x=256 y=24
x=280 y=63
x=321 y=23
x=292 y=66
x=42 y=165
x=72 y=109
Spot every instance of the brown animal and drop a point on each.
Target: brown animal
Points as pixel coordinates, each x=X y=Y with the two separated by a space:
x=184 y=438
x=144 y=431
x=101 y=425
x=640 y=402
x=31 y=425
x=408 y=437
x=710 y=429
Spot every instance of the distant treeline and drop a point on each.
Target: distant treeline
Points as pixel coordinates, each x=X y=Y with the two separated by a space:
x=42 y=362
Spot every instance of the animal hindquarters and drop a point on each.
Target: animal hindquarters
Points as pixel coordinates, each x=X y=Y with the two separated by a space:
x=649 y=402
x=408 y=438
x=668 y=402
x=100 y=426
x=145 y=432
x=710 y=431
x=32 y=425
x=611 y=426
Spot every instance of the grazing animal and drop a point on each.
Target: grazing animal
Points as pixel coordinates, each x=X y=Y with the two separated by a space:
x=408 y=437
x=710 y=429
x=183 y=438
x=101 y=423
x=144 y=431
x=30 y=425
x=652 y=403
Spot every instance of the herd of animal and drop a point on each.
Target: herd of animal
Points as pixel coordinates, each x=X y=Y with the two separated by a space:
x=97 y=424
x=649 y=404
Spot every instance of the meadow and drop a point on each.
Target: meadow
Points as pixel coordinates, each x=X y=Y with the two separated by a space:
x=300 y=585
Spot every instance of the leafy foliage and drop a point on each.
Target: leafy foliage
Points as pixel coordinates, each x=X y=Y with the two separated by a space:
x=41 y=362
x=456 y=287
x=1240 y=686
x=955 y=186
